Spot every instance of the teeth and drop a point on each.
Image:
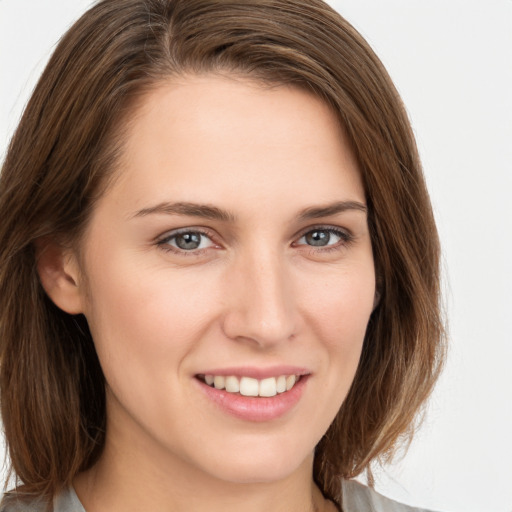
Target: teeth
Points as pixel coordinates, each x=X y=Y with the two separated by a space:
x=247 y=386
x=219 y=382
x=232 y=384
x=281 y=384
x=268 y=387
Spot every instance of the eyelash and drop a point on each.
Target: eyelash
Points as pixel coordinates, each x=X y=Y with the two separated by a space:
x=346 y=239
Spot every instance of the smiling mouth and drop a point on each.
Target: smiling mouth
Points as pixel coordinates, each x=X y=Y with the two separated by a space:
x=248 y=386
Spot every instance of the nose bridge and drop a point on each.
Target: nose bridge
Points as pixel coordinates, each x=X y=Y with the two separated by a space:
x=262 y=307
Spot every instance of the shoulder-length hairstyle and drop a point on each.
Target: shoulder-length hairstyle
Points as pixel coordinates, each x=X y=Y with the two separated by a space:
x=65 y=149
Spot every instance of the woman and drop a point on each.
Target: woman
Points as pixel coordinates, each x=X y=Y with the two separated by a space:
x=215 y=215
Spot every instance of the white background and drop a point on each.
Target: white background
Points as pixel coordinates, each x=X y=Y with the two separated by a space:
x=452 y=62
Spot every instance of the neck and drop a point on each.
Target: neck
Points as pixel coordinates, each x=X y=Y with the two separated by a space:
x=124 y=481
x=100 y=491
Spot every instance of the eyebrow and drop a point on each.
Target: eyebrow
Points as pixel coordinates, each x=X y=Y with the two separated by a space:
x=211 y=212
x=331 y=209
x=205 y=211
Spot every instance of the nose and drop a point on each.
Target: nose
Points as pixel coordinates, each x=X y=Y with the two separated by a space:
x=261 y=306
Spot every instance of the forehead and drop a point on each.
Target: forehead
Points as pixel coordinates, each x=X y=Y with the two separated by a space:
x=222 y=137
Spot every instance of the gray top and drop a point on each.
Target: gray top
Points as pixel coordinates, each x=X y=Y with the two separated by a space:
x=356 y=498
x=359 y=498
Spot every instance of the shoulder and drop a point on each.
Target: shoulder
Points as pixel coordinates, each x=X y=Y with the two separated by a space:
x=357 y=497
x=18 y=502
x=66 y=501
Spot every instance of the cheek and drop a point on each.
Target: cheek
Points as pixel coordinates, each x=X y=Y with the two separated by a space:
x=140 y=314
x=339 y=313
x=342 y=305
x=143 y=331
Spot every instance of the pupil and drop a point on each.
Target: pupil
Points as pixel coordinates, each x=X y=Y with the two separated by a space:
x=318 y=238
x=188 y=240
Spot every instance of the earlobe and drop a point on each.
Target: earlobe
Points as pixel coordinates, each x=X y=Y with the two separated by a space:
x=59 y=275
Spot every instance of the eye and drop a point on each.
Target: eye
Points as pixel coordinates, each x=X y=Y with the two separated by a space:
x=324 y=237
x=187 y=241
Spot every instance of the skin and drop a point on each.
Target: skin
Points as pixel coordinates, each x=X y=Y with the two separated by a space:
x=255 y=293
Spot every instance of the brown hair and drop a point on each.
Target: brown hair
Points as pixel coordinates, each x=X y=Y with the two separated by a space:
x=52 y=386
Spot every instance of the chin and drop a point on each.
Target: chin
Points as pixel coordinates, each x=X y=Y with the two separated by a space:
x=252 y=474
x=266 y=466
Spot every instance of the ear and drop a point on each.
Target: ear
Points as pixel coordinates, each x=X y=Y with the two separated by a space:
x=59 y=274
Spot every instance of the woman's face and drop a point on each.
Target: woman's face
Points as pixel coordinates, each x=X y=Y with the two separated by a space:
x=233 y=247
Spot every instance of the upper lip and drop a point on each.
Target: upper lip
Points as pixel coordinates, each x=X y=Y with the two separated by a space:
x=257 y=373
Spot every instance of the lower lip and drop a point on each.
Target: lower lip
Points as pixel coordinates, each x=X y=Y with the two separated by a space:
x=255 y=409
